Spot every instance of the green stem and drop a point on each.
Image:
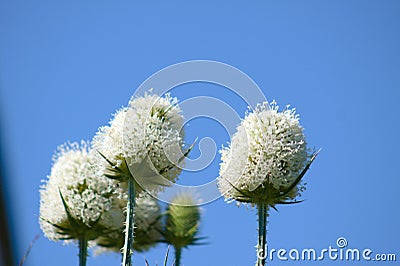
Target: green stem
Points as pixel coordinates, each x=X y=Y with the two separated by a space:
x=178 y=255
x=82 y=250
x=262 y=233
x=128 y=244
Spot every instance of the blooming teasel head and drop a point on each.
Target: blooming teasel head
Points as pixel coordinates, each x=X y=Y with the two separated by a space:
x=143 y=140
x=73 y=199
x=266 y=159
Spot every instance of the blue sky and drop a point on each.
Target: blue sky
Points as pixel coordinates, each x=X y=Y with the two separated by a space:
x=65 y=66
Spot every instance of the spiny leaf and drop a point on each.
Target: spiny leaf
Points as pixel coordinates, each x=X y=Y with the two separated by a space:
x=116 y=172
x=244 y=194
x=197 y=239
x=273 y=207
x=66 y=238
x=169 y=167
x=111 y=163
x=112 y=176
x=55 y=225
x=298 y=179
x=71 y=219
x=188 y=151
x=290 y=202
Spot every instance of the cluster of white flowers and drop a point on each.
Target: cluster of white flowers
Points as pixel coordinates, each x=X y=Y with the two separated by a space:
x=267 y=153
x=149 y=130
x=86 y=195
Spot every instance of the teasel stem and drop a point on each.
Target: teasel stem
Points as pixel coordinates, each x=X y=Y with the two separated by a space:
x=129 y=224
x=262 y=233
x=83 y=243
x=178 y=255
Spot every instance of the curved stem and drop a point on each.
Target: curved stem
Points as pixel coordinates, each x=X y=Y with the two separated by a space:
x=178 y=255
x=128 y=244
x=262 y=234
x=82 y=250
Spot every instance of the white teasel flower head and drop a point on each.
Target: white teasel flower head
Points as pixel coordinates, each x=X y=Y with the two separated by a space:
x=146 y=137
x=87 y=196
x=266 y=155
x=147 y=227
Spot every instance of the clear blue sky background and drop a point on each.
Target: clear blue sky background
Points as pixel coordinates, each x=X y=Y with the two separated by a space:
x=65 y=66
